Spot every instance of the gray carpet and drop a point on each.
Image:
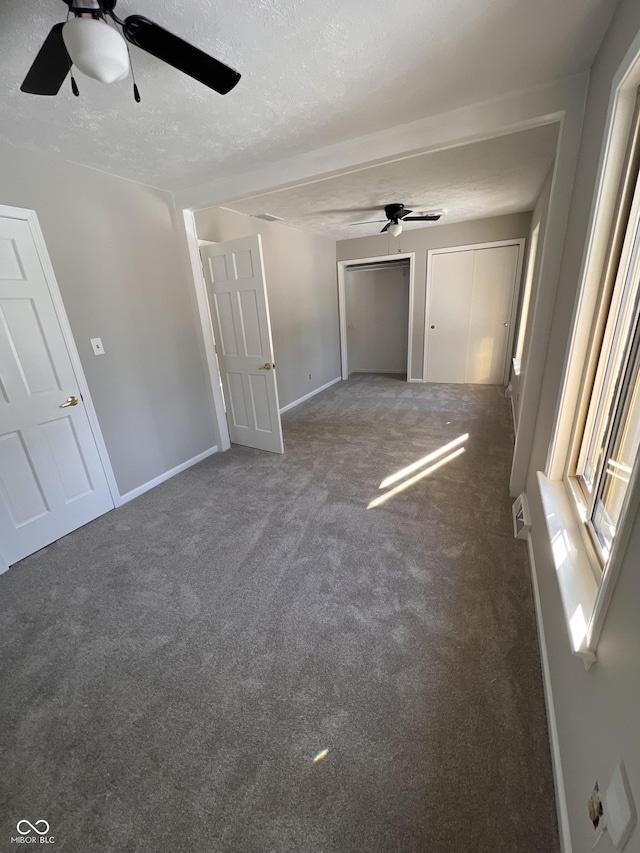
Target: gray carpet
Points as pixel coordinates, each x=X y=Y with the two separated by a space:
x=170 y=671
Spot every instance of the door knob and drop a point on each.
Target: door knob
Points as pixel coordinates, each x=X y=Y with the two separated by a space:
x=265 y=366
x=71 y=401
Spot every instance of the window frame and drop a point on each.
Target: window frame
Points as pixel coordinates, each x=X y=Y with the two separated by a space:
x=618 y=303
x=586 y=584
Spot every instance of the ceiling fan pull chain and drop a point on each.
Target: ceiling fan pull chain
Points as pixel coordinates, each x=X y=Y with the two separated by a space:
x=74 y=87
x=136 y=91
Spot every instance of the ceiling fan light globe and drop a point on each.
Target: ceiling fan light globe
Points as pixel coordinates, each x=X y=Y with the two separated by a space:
x=395 y=230
x=96 y=49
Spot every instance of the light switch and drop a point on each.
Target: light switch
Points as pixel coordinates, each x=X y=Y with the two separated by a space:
x=98 y=349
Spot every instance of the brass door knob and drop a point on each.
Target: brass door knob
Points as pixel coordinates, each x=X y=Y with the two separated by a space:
x=71 y=401
x=265 y=366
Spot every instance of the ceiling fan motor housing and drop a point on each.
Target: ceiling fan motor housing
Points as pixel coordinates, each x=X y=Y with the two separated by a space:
x=392 y=211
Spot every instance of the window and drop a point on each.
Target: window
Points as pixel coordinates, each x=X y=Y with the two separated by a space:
x=590 y=487
x=607 y=429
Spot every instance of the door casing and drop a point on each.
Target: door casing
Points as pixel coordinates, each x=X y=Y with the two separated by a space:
x=237 y=275
x=342 y=305
x=206 y=327
x=218 y=409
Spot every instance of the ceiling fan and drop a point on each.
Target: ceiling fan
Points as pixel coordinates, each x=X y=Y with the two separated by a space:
x=397 y=214
x=87 y=41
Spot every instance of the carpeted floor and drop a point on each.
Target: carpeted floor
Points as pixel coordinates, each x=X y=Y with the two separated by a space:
x=170 y=671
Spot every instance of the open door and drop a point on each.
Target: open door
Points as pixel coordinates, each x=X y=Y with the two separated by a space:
x=51 y=475
x=234 y=273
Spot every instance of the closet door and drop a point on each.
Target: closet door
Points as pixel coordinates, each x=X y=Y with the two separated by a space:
x=470 y=299
x=449 y=316
x=494 y=279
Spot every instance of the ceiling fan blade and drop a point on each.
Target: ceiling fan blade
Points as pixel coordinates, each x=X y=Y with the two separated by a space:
x=180 y=54
x=50 y=67
x=368 y=222
x=404 y=213
x=386 y=227
x=430 y=217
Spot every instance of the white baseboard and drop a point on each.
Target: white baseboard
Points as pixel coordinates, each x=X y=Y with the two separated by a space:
x=309 y=395
x=556 y=761
x=145 y=487
x=376 y=370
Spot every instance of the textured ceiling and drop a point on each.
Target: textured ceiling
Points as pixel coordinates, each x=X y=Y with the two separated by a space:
x=314 y=73
x=490 y=178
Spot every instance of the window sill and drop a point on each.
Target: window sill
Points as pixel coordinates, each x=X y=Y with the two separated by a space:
x=574 y=570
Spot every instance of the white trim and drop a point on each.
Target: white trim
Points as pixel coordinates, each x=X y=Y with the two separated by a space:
x=612 y=156
x=200 y=286
x=342 y=304
x=494 y=244
x=468 y=247
x=31 y=218
x=376 y=370
x=615 y=138
x=151 y=484
x=554 y=739
x=611 y=163
x=577 y=582
x=310 y=395
x=4 y=566
x=513 y=415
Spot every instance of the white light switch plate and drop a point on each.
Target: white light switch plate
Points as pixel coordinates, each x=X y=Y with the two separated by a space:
x=619 y=809
x=98 y=349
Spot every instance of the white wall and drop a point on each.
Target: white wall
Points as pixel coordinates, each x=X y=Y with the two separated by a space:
x=300 y=271
x=597 y=712
x=420 y=240
x=377 y=309
x=118 y=264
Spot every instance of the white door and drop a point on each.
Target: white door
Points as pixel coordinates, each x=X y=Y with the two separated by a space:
x=471 y=297
x=449 y=316
x=51 y=476
x=237 y=293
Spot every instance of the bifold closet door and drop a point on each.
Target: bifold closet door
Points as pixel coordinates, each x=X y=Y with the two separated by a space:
x=470 y=302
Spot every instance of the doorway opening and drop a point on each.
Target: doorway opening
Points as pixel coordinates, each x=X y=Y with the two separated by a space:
x=375 y=300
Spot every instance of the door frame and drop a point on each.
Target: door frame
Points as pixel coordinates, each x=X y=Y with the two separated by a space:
x=342 y=305
x=206 y=327
x=494 y=244
x=31 y=218
x=225 y=388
